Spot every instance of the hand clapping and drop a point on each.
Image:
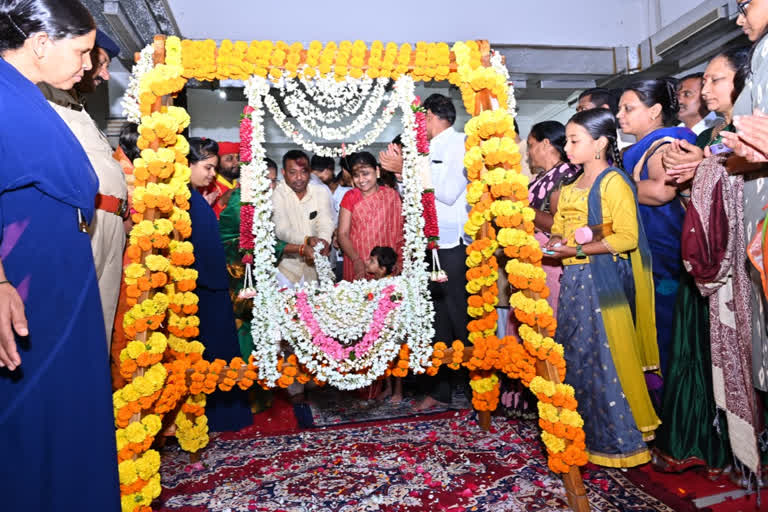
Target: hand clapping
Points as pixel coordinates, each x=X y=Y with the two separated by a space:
x=681 y=160
x=391 y=159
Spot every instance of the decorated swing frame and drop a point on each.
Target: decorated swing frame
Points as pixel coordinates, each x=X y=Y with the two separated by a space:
x=167 y=376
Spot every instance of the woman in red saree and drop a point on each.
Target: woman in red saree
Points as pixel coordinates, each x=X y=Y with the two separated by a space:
x=370 y=216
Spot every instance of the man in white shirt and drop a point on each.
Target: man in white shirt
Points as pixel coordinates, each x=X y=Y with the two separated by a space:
x=302 y=216
x=446 y=150
x=693 y=112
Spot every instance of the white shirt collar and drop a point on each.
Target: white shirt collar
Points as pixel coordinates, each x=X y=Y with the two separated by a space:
x=443 y=136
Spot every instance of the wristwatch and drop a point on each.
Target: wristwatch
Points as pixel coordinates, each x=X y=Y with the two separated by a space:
x=580 y=252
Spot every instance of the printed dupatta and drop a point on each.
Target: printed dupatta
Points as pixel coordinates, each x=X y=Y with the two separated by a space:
x=713 y=246
x=633 y=346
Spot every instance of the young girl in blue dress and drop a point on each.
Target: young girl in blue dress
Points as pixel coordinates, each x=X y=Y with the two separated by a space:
x=605 y=315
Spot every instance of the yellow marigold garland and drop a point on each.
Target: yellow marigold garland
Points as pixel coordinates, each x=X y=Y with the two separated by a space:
x=498 y=194
x=492 y=159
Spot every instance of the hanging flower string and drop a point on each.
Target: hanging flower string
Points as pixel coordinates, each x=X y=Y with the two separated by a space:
x=246 y=210
x=431 y=229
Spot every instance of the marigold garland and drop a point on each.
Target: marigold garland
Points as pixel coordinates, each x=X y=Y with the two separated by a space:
x=485 y=391
x=159 y=258
x=500 y=217
x=158 y=284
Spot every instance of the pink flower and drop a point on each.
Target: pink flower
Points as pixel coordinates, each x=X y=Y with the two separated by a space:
x=248 y=110
x=332 y=347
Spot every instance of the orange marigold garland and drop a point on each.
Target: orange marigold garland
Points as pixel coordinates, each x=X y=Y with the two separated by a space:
x=500 y=217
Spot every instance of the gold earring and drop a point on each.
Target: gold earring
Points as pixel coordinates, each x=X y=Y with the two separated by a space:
x=597 y=155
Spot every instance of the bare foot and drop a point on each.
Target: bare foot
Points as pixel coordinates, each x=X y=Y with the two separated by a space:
x=396 y=398
x=384 y=394
x=428 y=403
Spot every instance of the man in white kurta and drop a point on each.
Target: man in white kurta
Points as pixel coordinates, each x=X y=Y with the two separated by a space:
x=302 y=216
x=106 y=229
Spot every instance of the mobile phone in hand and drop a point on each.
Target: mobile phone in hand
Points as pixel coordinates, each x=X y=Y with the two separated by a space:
x=718 y=149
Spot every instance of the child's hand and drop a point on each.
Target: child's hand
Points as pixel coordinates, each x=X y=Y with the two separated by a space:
x=553 y=241
x=561 y=252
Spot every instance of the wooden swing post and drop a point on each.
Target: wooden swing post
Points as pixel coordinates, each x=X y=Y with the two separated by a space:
x=574 y=485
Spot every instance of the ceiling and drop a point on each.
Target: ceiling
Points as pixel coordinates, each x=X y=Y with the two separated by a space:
x=552 y=53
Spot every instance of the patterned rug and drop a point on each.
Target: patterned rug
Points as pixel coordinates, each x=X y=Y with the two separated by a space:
x=331 y=407
x=446 y=465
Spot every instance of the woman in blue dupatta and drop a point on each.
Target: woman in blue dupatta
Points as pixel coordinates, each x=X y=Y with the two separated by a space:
x=57 y=432
x=226 y=411
x=648 y=110
x=605 y=310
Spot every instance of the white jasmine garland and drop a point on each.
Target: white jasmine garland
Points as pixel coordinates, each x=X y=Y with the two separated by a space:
x=317 y=122
x=130 y=101
x=298 y=138
x=342 y=302
x=323 y=268
x=344 y=311
x=498 y=65
x=300 y=91
x=336 y=94
x=257 y=190
x=256 y=89
x=417 y=311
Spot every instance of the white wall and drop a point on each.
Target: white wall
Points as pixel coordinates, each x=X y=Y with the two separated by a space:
x=673 y=9
x=553 y=22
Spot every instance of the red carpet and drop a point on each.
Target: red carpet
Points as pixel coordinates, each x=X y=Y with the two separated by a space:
x=440 y=465
x=686 y=486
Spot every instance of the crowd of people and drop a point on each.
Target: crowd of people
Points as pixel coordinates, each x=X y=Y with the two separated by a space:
x=653 y=255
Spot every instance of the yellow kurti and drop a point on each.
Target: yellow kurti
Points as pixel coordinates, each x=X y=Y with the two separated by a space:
x=631 y=344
